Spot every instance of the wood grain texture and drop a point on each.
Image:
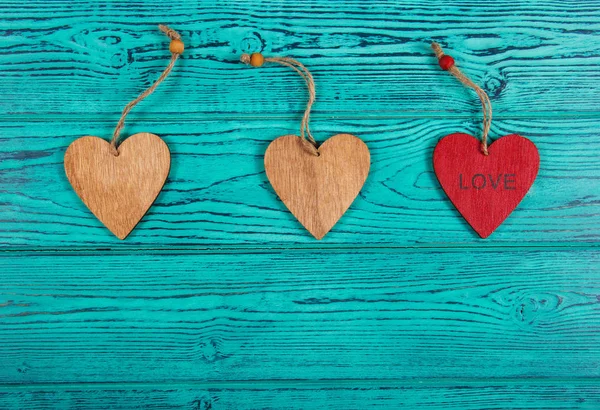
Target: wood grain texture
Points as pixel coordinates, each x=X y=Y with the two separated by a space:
x=401 y=305
x=218 y=194
x=485 y=188
x=118 y=188
x=317 y=188
x=460 y=395
x=219 y=316
x=531 y=57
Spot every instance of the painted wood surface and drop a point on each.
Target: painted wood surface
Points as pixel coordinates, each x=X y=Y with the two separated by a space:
x=219 y=298
x=533 y=58
x=302 y=315
x=485 y=184
x=217 y=192
x=461 y=395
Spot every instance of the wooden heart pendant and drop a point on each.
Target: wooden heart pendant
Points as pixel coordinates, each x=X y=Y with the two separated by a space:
x=317 y=189
x=485 y=189
x=118 y=190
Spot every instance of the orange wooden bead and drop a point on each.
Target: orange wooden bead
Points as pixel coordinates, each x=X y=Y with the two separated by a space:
x=256 y=60
x=176 y=46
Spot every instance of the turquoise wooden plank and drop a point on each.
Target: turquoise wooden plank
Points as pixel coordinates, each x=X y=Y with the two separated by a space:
x=462 y=395
x=90 y=58
x=217 y=316
x=218 y=194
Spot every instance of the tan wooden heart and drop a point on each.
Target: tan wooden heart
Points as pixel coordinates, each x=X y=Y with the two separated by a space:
x=118 y=190
x=317 y=189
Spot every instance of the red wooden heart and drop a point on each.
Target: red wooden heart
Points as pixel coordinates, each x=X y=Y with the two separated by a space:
x=485 y=188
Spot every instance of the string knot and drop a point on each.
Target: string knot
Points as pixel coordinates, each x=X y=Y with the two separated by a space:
x=254 y=59
x=437 y=49
x=169 y=32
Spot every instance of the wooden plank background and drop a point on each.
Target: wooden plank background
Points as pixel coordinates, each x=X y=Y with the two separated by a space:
x=220 y=299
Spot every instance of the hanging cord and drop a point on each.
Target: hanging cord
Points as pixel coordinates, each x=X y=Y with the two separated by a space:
x=447 y=63
x=257 y=60
x=176 y=47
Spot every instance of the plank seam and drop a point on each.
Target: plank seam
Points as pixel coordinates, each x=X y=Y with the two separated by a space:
x=364 y=248
x=149 y=117
x=301 y=383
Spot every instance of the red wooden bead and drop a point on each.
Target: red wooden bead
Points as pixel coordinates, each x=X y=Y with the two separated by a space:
x=446 y=62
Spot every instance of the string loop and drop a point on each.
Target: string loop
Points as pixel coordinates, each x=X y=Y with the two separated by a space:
x=176 y=48
x=447 y=63
x=256 y=60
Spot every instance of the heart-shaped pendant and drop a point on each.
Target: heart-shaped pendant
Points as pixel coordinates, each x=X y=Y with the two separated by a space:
x=317 y=189
x=485 y=188
x=118 y=190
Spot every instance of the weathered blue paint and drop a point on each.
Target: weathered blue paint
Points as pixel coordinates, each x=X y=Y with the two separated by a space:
x=219 y=298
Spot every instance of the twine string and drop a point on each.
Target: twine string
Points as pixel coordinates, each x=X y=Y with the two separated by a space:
x=173 y=35
x=485 y=100
x=310 y=84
